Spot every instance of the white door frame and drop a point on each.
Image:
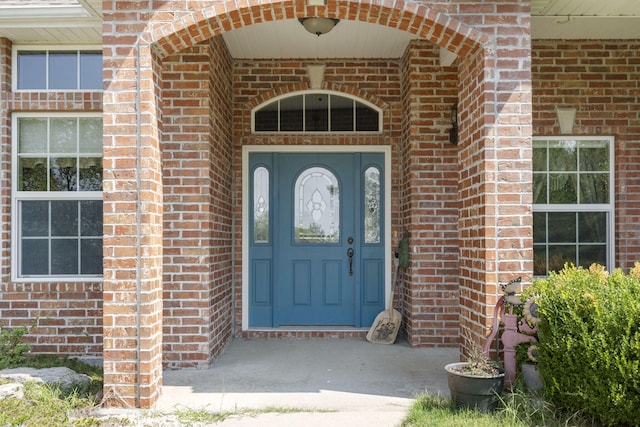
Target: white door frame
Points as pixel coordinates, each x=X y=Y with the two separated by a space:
x=247 y=149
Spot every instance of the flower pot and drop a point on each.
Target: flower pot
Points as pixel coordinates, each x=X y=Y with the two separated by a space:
x=532 y=378
x=474 y=391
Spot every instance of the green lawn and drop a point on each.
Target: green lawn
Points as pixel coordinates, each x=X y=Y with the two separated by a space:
x=517 y=410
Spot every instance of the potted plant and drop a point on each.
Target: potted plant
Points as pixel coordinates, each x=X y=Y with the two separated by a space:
x=476 y=383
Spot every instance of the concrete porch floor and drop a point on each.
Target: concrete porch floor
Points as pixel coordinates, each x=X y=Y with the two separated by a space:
x=353 y=382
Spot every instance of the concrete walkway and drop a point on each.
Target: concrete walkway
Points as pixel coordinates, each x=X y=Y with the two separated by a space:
x=339 y=382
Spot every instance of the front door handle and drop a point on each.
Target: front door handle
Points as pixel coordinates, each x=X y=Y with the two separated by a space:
x=350 y=255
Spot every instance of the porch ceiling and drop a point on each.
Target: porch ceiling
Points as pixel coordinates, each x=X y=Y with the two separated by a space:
x=80 y=22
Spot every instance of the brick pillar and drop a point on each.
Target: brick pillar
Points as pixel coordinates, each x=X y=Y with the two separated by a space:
x=495 y=180
x=132 y=224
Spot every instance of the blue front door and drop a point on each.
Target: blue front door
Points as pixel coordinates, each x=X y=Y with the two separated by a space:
x=325 y=257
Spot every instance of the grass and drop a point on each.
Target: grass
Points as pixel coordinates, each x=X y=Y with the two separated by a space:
x=191 y=417
x=517 y=410
x=46 y=406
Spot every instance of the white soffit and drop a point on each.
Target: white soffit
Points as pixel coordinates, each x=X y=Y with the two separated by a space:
x=51 y=22
x=289 y=39
x=585 y=19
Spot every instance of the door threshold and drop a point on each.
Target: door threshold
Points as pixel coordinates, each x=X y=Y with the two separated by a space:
x=309 y=328
x=306 y=332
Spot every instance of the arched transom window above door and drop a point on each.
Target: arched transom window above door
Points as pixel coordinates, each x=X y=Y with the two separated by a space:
x=316 y=111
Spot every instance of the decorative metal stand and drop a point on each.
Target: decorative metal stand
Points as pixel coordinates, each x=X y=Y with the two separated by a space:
x=514 y=332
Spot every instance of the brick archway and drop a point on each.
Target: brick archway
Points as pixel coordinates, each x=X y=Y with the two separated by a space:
x=495 y=148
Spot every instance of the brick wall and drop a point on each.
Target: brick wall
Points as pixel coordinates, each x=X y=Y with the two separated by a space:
x=197 y=204
x=429 y=197
x=601 y=79
x=67 y=316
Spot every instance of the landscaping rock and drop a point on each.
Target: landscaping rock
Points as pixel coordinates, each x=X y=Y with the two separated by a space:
x=65 y=378
x=11 y=390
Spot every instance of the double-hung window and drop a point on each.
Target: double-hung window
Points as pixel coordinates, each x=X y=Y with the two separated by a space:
x=573 y=202
x=57 y=195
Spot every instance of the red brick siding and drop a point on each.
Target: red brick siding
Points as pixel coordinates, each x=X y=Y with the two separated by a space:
x=185 y=152
x=220 y=192
x=601 y=79
x=197 y=199
x=429 y=193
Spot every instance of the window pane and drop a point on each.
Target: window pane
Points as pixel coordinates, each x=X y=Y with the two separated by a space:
x=539 y=188
x=35 y=256
x=64 y=174
x=90 y=70
x=539 y=260
x=539 y=227
x=563 y=156
x=91 y=256
x=559 y=255
x=261 y=205
x=63 y=70
x=64 y=256
x=590 y=254
x=90 y=174
x=90 y=129
x=562 y=227
x=317 y=207
x=32 y=136
x=317 y=113
x=539 y=156
x=594 y=156
x=366 y=118
x=91 y=218
x=35 y=218
x=63 y=135
x=266 y=119
x=64 y=218
x=32 y=70
x=372 y=205
x=291 y=110
x=592 y=227
x=341 y=114
x=563 y=188
x=594 y=188
x=32 y=174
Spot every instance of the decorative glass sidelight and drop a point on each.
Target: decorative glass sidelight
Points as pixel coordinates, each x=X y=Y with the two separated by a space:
x=261 y=205
x=372 y=205
x=317 y=207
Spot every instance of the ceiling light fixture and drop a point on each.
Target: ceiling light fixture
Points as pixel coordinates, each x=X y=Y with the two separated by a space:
x=318 y=26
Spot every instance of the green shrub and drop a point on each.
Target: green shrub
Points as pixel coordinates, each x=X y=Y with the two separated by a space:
x=589 y=351
x=12 y=346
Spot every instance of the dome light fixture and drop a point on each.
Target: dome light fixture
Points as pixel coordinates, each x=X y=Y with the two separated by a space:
x=318 y=26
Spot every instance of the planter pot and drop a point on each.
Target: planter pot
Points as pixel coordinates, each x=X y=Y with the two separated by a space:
x=472 y=391
x=532 y=378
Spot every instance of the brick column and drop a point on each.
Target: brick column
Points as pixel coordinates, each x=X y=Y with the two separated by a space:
x=132 y=223
x=495 y=179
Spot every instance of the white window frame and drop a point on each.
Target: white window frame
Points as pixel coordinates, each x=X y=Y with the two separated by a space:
x=48 y=48
x=323 y=92
x=609 y=208
x=18 y=196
